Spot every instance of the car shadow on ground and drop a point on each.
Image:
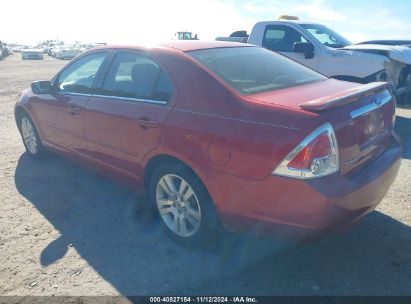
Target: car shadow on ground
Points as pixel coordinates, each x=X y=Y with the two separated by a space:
x=403 y=129
x=108 y=226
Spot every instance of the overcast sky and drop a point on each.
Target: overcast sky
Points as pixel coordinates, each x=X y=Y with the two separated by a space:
x=150 y=21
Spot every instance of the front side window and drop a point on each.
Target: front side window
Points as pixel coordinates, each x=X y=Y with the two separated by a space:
x=79 y=76
x=136 y=76
x=251 y=70
x=326 y=36
x=281 y=38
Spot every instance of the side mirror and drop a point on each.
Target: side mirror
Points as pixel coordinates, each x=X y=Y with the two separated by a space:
x=304 y=47
x=41 y=87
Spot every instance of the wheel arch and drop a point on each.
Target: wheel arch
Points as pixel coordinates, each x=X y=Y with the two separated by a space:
x=19 y=111
x=158 y=159
x=155 y=160
x=162 y=158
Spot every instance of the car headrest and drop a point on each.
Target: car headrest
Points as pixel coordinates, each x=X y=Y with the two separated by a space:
x=144 y=72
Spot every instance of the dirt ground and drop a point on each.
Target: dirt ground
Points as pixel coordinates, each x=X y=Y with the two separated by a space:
x=65 y=230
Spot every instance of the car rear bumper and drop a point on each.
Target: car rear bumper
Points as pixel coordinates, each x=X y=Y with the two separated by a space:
x=32 y=56
x=293 y=208
x=68 y=55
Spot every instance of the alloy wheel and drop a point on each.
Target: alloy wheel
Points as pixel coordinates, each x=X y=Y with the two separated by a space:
x=29 y=135
x=178 y=205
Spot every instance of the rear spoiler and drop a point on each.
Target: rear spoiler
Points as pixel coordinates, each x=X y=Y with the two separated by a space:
x=344 y=97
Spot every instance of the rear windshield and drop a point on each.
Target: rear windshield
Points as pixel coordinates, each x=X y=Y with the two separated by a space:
x=251 y=70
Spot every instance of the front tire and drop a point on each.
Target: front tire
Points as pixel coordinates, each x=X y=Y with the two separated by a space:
x=31 y=138
x=183 y=205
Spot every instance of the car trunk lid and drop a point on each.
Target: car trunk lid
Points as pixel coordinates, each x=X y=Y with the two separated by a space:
x=344 y=97
x=362 y=117
x=363 y=120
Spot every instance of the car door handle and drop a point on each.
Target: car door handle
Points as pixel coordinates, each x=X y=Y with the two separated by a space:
x=146 y=123
x=74 y=110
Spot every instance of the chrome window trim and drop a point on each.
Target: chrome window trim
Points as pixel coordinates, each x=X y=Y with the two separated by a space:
x=372 y=106
x=161 y=102
x=73 y=93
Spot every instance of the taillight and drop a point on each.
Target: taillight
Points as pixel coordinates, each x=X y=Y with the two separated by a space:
x=315 y=156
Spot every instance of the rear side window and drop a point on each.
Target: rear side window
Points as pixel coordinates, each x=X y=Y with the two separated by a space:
x=136 y=76
x=281 y=38
x=79 y=76
x=251 y=70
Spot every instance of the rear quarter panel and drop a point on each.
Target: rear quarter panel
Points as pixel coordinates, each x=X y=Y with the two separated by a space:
x=212 y=128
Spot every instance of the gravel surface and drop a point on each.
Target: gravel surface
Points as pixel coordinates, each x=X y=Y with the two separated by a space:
x=65 y=230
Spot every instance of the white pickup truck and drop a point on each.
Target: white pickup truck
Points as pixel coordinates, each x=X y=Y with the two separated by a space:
x=327 y=52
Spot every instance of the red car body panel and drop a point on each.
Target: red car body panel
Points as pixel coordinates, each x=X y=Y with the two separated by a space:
x=231 y=141
x=304 y=208
x=116 y=135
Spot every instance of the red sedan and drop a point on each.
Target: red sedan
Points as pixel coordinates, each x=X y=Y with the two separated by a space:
x=221 y=133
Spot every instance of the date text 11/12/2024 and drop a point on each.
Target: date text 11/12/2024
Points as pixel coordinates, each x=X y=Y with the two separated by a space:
x=203 y=299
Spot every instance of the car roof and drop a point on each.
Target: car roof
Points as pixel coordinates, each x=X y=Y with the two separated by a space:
x=181 y=45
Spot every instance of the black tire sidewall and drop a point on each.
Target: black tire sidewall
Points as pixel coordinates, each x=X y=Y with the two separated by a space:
x=209 y=218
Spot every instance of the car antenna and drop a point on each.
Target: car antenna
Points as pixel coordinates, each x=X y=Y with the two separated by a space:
x=335 y=10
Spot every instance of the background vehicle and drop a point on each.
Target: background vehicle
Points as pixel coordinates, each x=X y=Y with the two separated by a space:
x=3 y=50
x=279 y=148
x=18 y=48
x=31 y=53
x=388 y=42
x=237 y=36
x=185 y=36
x=52 y=46
x=2 y=53
x=327 y=52
x=66 y=52
x=6 y=50
x=9 y=50
x=85 y=47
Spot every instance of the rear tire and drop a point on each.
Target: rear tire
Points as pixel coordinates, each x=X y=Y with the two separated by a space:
x=30 y=137
x=183 y=205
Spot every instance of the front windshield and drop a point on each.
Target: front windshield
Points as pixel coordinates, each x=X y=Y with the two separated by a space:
x=326 y=36
x=251 y=70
